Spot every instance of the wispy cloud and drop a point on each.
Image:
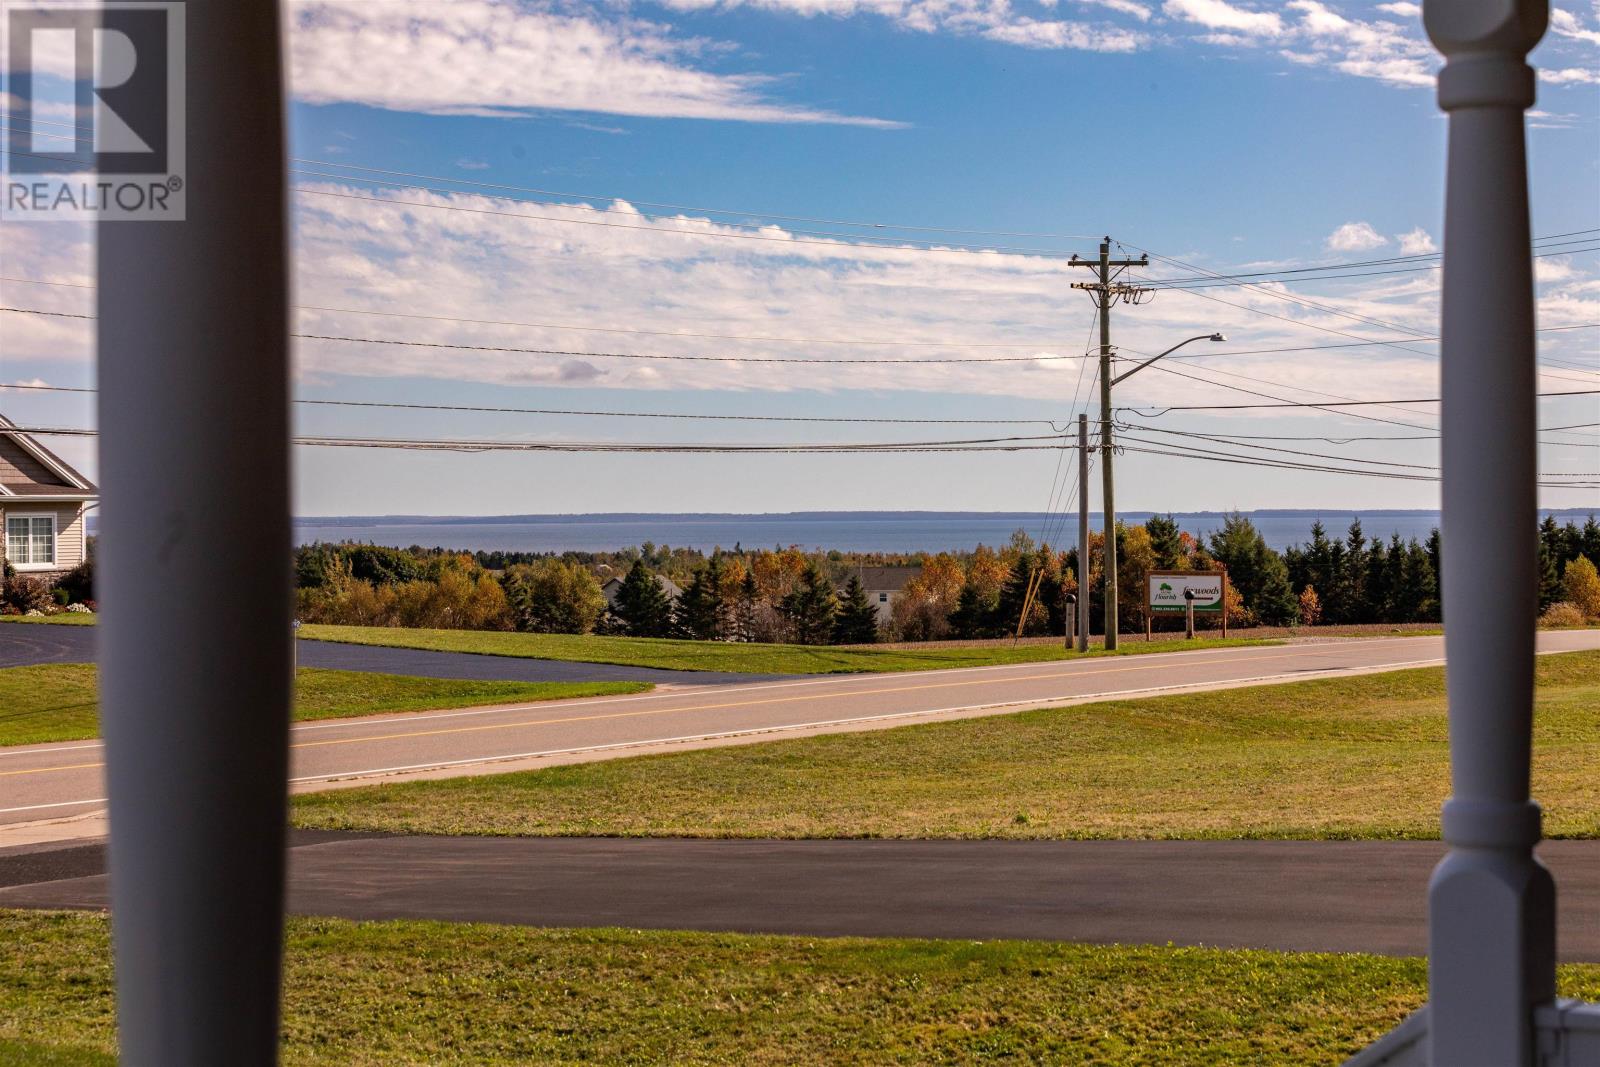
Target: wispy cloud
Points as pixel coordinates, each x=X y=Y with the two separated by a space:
x=482 y=57
x=995 y=20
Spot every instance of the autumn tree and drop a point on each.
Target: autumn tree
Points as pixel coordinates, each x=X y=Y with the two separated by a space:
x=553 y=596
x=1581 y=584
x=1310 y=607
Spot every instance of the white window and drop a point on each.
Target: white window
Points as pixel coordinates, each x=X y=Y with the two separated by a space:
x=883 y=598
x=31 y=540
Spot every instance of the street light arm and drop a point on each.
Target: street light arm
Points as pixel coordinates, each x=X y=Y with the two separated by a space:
x=1135 y=370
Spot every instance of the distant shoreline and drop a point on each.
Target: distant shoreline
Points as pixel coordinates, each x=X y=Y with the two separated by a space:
x=1331 y=514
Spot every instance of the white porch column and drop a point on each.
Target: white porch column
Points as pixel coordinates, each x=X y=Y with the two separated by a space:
x=194 y=568
x=1491 y=903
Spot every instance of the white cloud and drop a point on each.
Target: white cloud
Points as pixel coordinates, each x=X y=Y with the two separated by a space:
x=1355 y=237
x=1416 y=243
x=1403 y=9
x=995 y=20
x=1035 y=33
x=1570 y=76
x=1220 y=15
x=483 y=57
x=1565 y=24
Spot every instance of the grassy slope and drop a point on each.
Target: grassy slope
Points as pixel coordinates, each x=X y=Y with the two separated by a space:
x=57 y=701
x=1363 y=756
x=717 y=655
x=417 y=992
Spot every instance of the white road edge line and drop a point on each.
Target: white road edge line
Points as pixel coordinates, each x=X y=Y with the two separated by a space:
x=1083 y=698
x=861 y=678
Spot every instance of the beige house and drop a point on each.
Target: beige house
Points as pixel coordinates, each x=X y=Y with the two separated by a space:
x=42 y=505
x=883 y=586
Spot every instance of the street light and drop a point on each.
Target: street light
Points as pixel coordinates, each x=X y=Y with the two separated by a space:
x=1105 y=454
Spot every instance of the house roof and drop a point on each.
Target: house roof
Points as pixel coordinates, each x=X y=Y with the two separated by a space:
x=29 y=469
x=887 y=579
x=610 y=586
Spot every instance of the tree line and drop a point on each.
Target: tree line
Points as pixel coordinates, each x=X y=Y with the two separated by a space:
x=789 y=595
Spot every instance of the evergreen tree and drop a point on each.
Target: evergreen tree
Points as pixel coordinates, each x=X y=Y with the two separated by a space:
x=1418 y=599
x=1255 y=570
x=744 y=608
x=1589 y=539
x=1435 y=565
x=642 y=605
x=1166 y=542
x=699 y=611
x=811 y=607
x=1551 y=544
x=1377 y=595
x=1355 y=577
x=975 y=615
x=857 y=620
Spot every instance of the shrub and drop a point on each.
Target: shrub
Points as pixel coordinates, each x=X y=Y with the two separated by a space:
x=1561 y=613
x=78 y=583
x=23 y=594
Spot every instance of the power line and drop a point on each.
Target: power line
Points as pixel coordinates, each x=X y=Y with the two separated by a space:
x=1302 y=301
x=822 y=340
x=611 y=355
x=1345 y=439
x=1342 y=457
x=1180 y=286
x=489 y=409
x=1270 y=396
x=1209 y=456
x=1221 y=278
x=1325 y=404
x=977 y=444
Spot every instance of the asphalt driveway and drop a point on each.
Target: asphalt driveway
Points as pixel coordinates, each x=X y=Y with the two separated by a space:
x=25 y=644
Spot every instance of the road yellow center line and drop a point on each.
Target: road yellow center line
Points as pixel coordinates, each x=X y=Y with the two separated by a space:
x=803 y=698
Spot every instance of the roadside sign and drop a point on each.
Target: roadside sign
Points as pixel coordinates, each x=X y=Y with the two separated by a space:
x=1167 y=589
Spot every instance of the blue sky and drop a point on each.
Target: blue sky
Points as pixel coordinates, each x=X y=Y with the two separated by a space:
x=1225 y=135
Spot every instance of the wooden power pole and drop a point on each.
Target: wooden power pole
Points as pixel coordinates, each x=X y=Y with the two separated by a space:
x=1106 y=292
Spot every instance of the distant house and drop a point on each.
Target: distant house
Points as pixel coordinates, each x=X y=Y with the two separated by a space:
x=42 y=503
x=613 y=585
x=883 y=586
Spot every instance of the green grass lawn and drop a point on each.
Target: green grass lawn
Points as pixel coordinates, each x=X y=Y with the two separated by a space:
x=66 y=618
x=432 y=993
x=1357 y=757
x=58 y=701
x=723 y=656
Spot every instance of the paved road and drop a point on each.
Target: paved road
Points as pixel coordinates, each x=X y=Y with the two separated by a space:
x=1337 y=896
x=24 y=644
x=44 y=781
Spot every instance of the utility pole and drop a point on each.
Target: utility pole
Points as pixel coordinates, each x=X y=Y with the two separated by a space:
x=1082 y=605
x=1105 y=294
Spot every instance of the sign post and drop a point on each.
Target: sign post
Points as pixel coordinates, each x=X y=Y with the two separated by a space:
x=1186 y=593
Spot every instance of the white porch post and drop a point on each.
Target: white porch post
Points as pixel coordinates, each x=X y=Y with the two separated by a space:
x=194 y=568
x=1491 y=903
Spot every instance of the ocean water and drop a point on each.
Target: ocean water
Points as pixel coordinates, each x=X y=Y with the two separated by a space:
x=846 y=531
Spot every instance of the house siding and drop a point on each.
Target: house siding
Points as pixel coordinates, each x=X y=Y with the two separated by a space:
x=17 y=467
x=69 y=531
